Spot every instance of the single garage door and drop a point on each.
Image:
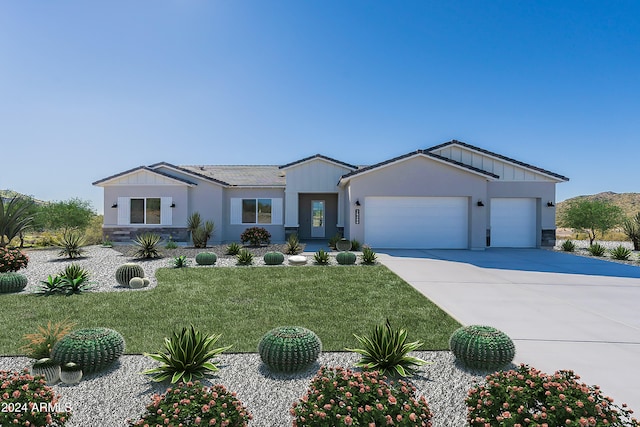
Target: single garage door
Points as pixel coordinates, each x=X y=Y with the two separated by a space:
x=513 y=223
x=417 y=222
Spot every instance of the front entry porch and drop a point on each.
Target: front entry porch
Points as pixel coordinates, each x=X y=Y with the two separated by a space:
x=317 y=216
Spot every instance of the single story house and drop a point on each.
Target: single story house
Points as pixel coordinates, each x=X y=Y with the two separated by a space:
x=452 y=195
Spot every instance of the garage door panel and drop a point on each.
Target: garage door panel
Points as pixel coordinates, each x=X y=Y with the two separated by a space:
x=513 y=222
x=416 y=222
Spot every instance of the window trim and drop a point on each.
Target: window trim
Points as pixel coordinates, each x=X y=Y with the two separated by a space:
x=237 y=211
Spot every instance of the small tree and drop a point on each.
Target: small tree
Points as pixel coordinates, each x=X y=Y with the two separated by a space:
x=15 y=217
x=591 y=216
x=631 y=228
x=65 y=215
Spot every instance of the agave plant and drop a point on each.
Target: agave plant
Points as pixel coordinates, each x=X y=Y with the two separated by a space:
x=188 y=356
x=15 y=217
x=386 y=351
x=233 y=249
x=53 y=285
x=293 y=245
x=147 y=244
x=71 y=244
x=74 y=279
x=180 y=261
x=321 y=257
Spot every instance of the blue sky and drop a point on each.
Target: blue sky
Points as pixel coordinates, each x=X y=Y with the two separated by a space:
x=89 y=89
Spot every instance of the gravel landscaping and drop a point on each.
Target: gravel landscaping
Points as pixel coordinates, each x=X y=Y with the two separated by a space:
x=111 y=397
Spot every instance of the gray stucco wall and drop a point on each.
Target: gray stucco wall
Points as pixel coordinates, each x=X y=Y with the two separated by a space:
x=178 y=193
x=232 y=232
x=419 y=177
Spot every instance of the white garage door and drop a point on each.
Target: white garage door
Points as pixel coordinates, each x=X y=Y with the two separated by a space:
x=416 y=222
x=513 y=223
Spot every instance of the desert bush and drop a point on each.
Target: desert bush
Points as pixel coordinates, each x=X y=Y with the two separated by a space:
x=321 y=257
x=355 y=245
x=180 y=261
x=526 y=396
x=233 y=249
x=21 y=393
x=387 y=351
x=620 y=253
x=333 y=240
x=48 y=238
x=338 y=396
x=71 y=244
x=631 y=228
x=12 y=260
x=244 y=257
x=293 y=245
x=188 y=356
x=256 y=236
x=568 y=246
x=93 y=232
x=597 y=249
x=170 y=244
x=200 y=232
x=40 y=343
x=368 y=255
x=194 y=404
x=147 y=245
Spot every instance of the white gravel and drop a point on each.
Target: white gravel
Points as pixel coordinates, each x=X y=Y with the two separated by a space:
x=110 y=398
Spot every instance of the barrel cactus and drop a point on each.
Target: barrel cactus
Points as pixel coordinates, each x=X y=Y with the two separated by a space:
x=12 y=282
x=136 y=283
x=126 y=272
x=206 y=258
x=482 y=347
x=47 y=367
x=70 y=373
x=346 y=258
x=93 y=349
x=289 y=349
x=273 y=258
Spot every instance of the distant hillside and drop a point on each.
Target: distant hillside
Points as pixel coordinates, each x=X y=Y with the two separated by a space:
x=628 y=202
x=7 y=194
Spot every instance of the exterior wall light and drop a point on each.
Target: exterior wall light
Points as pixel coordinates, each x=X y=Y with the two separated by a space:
x=550 y=204
x=357 y=202
x=480 y=203
x=115 y=205
x=173 y=205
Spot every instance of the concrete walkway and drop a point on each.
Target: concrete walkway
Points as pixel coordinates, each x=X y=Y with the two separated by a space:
x=563 y=311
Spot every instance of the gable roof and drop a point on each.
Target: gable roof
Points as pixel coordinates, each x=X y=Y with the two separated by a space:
x=424 y=153
x=318 y=156
x=241 y=175
x=142 y=168
x=498 y=156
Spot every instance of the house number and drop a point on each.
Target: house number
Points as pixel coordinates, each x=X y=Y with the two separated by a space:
x=357 y=216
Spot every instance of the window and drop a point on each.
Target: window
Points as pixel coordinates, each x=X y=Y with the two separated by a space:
x=145 y=211
x=256 y=211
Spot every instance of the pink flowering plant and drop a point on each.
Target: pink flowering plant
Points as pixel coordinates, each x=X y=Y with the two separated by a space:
x=528 y=397
x=26 y=400
x=12 y=260
x=339 y=397
x=194 y=404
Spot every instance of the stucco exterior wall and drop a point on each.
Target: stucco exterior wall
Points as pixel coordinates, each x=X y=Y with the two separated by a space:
x=231 y=232
x=419 y=177
x=178 y=193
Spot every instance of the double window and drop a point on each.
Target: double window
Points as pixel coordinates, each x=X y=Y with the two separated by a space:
x=145 y=211
x=256 y=211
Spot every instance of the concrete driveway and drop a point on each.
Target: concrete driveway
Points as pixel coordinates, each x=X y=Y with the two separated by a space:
x=563 y=311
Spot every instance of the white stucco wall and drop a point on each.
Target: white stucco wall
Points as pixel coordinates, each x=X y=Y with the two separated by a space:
x=231 y=232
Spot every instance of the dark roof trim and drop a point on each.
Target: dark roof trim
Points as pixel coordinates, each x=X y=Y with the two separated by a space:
x=145 y=168
x=318 y=156
x=424 y=153
x=188 y=172
x=499 y=156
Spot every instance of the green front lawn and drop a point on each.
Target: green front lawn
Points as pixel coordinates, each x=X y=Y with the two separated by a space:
x=241 y=304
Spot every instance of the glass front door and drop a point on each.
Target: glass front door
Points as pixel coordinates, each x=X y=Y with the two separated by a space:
x=317 y=218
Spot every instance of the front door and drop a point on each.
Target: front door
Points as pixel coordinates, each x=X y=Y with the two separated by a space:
x=317 y=219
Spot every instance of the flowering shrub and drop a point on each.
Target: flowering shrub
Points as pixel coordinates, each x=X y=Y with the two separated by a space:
x=342 y=397
x=255 y=236
x=26 y=400
x=194 y=404
x=528 y=397
x=12 y=260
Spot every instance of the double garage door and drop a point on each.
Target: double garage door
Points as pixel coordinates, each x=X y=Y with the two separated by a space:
x=443 y=222
x=417 y=222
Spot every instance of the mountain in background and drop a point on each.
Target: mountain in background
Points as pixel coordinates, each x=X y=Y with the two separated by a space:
x=8 y=194
x=628 y=202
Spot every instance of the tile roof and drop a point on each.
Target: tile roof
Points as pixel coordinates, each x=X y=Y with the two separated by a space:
x=499 y=156
x=240 y=175
x=319 y=156
x=145 y=168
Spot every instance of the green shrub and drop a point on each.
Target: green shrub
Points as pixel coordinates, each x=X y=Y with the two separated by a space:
x=147 y=245
x=180 y=261
x=333 y=240
x=32 y=392
x=206 y=258
x=193 y=404
x=289 y=349
x=293 y=245
x=368 y=255
x=321 y=257
x=40 y=343
x=12 y=260
x=71 y=244
x=568 y=246
x=346 y=258
x=387 y=351
x=94 y=349
x=337 y=394
x=273 y=258
x=48 y=238
x=597 y=250
x=188 y=356
x=244 y=257
x=256 y=236
x=355 y=245
x=620 y=253
x=631 y=228
x=200 y=232
x=526 y=396
x=233 y=249
x=170 y=244
x=482 y=347
x=127 y=271
x=12 y=282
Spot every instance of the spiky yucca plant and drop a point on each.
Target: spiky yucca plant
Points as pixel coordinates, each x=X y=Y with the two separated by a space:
x=71 y=244
x=321 y=257
x=293 y=245
x=597 y=249
x=188 y=356
x=620 y=253
x=233 y=249
x=147 y=245
x=386 y=351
